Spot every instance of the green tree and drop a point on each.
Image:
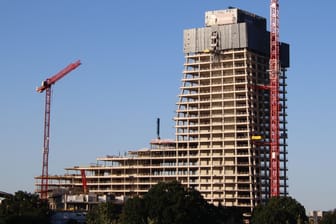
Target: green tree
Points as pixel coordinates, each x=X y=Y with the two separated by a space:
x=104 y=213
x=171 y=203
x=24 y=207
x=279 y=210
x=228 y=215
x=329 y=218
x=134 y=211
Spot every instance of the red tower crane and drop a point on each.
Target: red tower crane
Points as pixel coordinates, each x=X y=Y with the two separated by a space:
x=46 y=86
x=274 y=71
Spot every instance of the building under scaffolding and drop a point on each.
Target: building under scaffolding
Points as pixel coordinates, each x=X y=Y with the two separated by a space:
x=222 y=122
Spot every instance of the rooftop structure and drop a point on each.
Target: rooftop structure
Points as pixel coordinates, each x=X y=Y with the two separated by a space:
x=222 y=122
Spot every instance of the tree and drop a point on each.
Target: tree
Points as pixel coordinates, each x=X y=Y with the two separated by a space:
x=134 y=211
x=329 y=218
x=279 y=210
x=24 y=207
x=171 y=203
x=104 y=213
x=228 y=215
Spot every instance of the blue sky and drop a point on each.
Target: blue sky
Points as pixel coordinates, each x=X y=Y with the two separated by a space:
x=132 y=62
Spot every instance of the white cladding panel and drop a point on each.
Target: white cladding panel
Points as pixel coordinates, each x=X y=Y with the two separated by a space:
x=221 y=17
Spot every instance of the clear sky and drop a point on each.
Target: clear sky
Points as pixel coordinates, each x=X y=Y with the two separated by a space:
x=132 y=62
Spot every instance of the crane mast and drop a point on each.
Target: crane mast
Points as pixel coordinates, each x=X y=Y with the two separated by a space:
x=84 y=182
x=46 y=86
x=274 y=72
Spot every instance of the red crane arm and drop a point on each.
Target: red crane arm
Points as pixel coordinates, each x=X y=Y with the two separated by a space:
x=52 y=80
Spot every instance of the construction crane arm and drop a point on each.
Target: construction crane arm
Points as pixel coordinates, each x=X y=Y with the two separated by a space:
x=50 y=81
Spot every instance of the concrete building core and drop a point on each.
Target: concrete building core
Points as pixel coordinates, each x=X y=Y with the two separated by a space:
x=222 y=122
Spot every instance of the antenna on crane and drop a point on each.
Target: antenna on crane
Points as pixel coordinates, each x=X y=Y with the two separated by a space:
x=274 y=71
x=46 y=86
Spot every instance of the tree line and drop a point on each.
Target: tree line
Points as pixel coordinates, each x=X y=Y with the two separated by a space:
x=165 y=203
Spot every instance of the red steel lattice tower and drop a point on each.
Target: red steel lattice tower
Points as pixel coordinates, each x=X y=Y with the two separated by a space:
x=274 y=71
x=46 y=86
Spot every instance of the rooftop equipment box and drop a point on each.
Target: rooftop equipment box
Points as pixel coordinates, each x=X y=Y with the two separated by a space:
x=233 y=16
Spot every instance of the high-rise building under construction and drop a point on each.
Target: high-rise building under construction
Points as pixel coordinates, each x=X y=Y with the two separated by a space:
x=222 y=122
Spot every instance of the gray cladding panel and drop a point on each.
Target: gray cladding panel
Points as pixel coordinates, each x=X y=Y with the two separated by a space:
x=231 y=36
x=200 y=38
x=235 y=37
x=189 y=37
x=225 y=37
x=207 y=35
x=241 y=35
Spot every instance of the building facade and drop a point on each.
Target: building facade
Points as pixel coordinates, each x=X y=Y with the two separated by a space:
x=222 y=122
